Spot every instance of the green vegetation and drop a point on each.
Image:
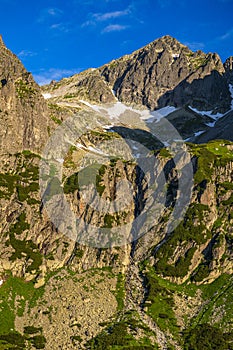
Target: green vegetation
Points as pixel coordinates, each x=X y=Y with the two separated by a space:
x=199 y=61
x=187 y=231
x=207 y=337
x=69 y=96
x=24 y=181
x=213 y=154
x=202 y=272
x=219 y=297
x=7 y=185
x=56 y=120
x=100 y=187
x=15 y=287
x=79 y=253
x=165 y=153
x=38 y=341
x=120 y=291
x=227 y=185
x=160 y=304
x=32 y=330
x=121 y=335
x=55 y=107
x=25 y=248
x=12 y=338
x=216 y=301
x=109 y=221
x=100 y=136
x=19 y=341
x=84 y=177
x=71 y=184
x=229 y=201
x=92 y=174
x=114 y=220
x=75 y=338
x=205 y=166
x=21 y=225
x=24 y=89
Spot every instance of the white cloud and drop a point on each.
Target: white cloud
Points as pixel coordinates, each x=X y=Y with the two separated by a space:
x=227 y=35
x=54 y=12
x=114 y=28
x=26 y=53
x=88 y=24
x=110 y=15
x=102 y=17
x=44 y=77
x=48 y=13
x=62 y=27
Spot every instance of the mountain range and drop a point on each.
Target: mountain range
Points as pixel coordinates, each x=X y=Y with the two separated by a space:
x=114 y=146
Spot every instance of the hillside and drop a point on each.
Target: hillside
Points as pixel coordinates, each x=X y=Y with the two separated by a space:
x=116 y=204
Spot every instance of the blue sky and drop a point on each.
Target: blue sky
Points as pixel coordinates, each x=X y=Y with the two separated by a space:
x=57 y=38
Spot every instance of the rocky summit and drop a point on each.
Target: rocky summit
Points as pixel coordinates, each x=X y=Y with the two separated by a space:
x=116 y=203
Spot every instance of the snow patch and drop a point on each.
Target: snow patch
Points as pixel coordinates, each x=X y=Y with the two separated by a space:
x=94 y=107
x=91 y=149
x=159 y=114
x=114 y=111
x=175 y=55
x=207 y=113
x=117 y=109
x=46 y=96
x=108 y=127
x=80 y=146
x=211 y=125
x=198 y=133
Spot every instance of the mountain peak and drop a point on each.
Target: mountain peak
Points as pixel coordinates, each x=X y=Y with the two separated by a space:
x=169 y=40
x=1 y=41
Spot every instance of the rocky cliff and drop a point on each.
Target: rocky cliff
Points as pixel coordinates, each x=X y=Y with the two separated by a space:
x=23 y=111
x=164 y=288
x=165 y=72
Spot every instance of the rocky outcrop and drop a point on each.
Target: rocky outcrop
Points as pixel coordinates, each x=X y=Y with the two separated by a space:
x=221 y=130
x=228 y=65
x=166 y=72
x=23 y=111
x=35 y=250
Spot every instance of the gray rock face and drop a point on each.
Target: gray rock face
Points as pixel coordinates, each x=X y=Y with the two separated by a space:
x=167 y=72
x=23 y=111
x=88 y=85
x=222 y=130
x=94 y=87
x=228 y=65
x=84 y=289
